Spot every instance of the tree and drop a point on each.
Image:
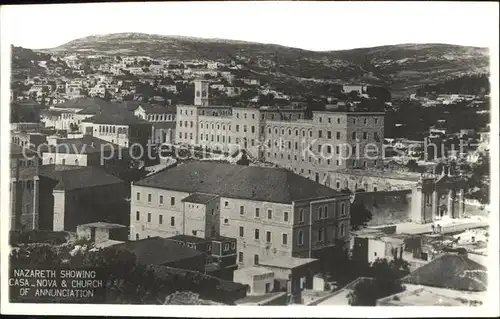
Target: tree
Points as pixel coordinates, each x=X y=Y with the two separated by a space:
x=345 y=190
x=244 y=159
x=385 y=282
x=439 y=168
x=412 y=165
x=360 y=216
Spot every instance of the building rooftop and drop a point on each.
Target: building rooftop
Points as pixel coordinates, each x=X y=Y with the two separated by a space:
x=93 y=105
x=69 y=177
x=199 y=198
x=236 y=181
x=117 y=118
x=103 y=225
x=16 y=150
x=222 y=238
x=83 y=145
x=188 y=239
x=287 y=262
x=254 y=271
x=261 y=299
x=392 y=174
x=157 y=251
x=450 y=271
x=415 y=295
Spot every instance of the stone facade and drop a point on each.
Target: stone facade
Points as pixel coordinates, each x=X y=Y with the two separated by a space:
x=25 y=211
x=263 y=229
x=329 y=141
x=372 y=180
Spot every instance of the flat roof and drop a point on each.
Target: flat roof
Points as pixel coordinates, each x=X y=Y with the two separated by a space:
x=416 y=295
x=103 y=225
x=391 y=174
x=189 y=239
x=199 y=198
x=287 y=262
x=254 y=271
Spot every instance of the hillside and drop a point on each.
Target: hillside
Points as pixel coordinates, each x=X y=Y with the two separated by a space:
x=399 y=67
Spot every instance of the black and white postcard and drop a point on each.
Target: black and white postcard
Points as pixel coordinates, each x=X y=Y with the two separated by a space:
x=157 y=156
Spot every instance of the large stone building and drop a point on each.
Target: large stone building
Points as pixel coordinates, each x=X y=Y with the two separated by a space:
x=331 y=140
x=272 y=212
x=60 y=197
x=427 y=199
x=84 y=151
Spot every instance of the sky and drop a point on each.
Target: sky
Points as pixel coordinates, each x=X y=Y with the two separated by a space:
x=308 y=25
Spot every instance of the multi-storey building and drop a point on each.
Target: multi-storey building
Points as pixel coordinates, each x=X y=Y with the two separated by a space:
x=272 y=212
x=84 y=151
x=60 y=197
x=311 y=147
x=67 y=116
x=121 y=128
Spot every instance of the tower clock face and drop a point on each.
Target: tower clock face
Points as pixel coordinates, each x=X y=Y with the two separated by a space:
x=197 y=93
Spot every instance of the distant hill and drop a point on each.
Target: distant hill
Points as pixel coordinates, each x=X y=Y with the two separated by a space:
x=398 y=67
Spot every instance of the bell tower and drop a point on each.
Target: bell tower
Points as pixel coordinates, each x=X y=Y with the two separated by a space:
x=201 y=92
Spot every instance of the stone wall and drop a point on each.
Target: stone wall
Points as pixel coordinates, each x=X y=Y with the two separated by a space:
x=387 y=207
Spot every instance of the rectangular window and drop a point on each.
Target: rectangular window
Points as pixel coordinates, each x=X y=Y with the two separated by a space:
x=257 y=212
x=240 y=257
x=285 y=216
x=320 y=234
x=268 y=236
x=300 y=238
x=226 y=247
x=138 y=196
x=161 y=199
x=365 y=135
x=149 y=217
x=301 y=215
x=284 y=239
x=342 y=209
x=320 y=134
x=160 y=219
x=172 y=221
x=241 y=231
x=338 y=135
x=226 y=204
x=269 y=214
x=137 y=215
x=353 y=135
x=149 y=198
x=256 y=259
x=172 y=201
x=242 y=210
x=237 y=128
x=256 y=235
x=233 y=245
